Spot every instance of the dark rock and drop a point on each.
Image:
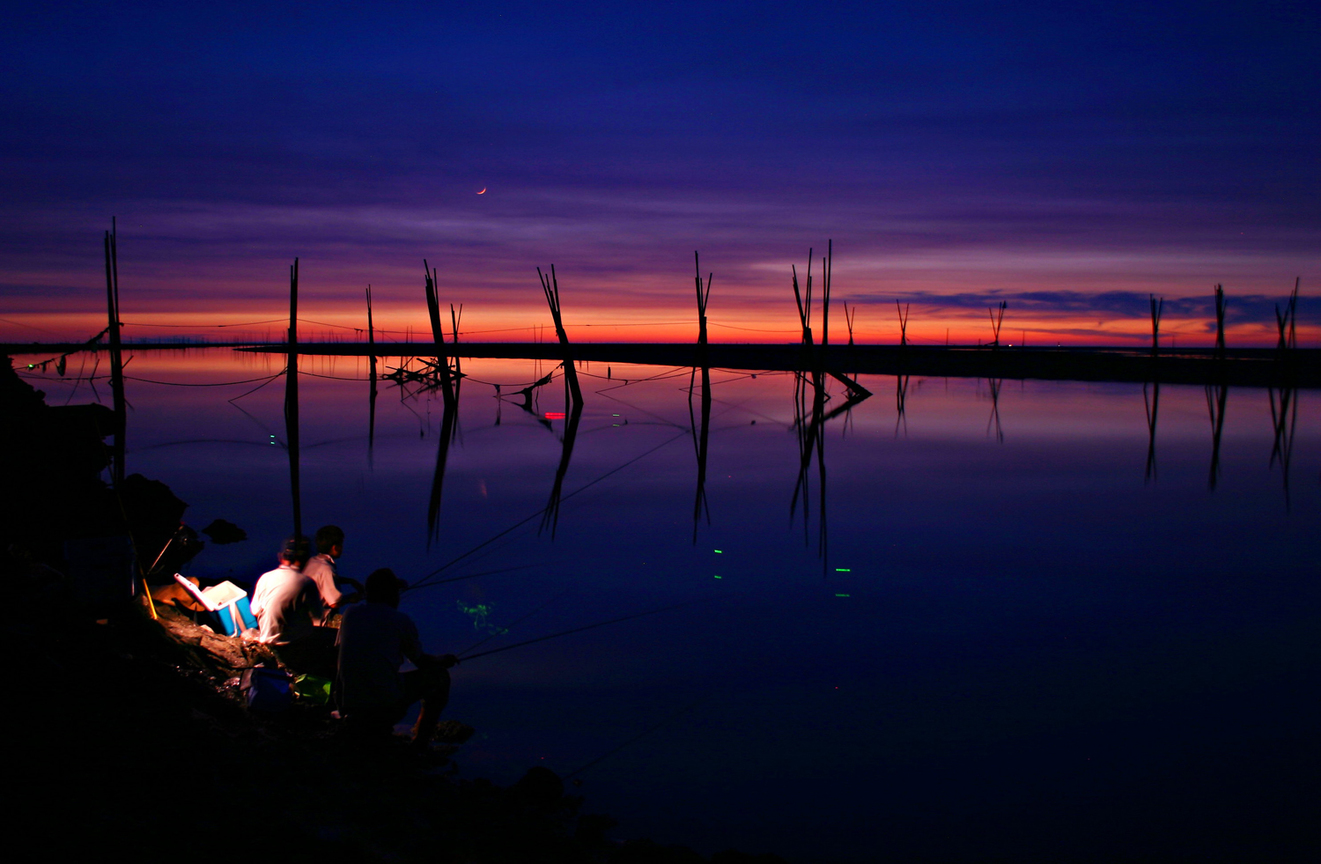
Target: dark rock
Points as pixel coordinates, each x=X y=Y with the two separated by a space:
x=222 y=532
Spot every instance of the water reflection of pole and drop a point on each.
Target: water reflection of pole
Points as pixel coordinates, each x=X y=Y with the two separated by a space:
x=1152 y=401
x=550 y=518
x=1284 y=407
x=811 y=441
x=449 y=425
x=1284 y=419
x=901 y=403
x=1215 y=405
x=1217 y=394
x=291 y=399
x=116 y=352
x=994 y=419
x=700 y=437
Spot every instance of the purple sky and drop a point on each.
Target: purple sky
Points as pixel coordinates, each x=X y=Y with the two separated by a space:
x=957 y=155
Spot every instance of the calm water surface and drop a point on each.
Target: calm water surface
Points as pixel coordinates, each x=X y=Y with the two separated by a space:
x=1006 y=630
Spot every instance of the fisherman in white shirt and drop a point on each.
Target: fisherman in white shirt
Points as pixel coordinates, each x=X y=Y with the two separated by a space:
x=288 y=608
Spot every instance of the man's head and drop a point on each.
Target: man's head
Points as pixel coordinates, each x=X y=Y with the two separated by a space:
x=330 y=540
x=296 y=551
x=384 y=587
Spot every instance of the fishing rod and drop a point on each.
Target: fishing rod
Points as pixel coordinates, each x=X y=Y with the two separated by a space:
x=580 y=629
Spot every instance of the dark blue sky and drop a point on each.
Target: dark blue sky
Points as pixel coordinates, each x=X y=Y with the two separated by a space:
x=947 y=149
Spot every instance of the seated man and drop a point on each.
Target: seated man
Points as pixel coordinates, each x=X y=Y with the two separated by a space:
x=288 y=607
x=374 y=639
x=321 y=569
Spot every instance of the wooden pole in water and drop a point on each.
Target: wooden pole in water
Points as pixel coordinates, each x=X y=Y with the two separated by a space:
x=433 y=304
x=1220 y=322
x=804 y=300
x=291 y=400
x=827 y=267
x=437 y=331
x=997 y=318
x=371 y=393
x=455 y=318
x=116 y=352
x=1157 y=306
x=703 y=294
x=551 y=287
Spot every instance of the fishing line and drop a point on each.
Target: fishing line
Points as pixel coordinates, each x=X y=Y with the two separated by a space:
x=491 y=636
x=524 y=521
x=187 y=384
x=582 y=629
x=255 y=389
x=434 y=583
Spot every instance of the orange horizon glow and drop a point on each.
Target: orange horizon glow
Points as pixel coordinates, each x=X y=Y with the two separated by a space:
x=927 y=325
x=754 y=303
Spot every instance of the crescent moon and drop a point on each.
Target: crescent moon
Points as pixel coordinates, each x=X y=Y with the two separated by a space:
x=483 y=192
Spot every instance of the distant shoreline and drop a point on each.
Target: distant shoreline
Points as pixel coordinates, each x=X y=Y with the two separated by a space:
x=1242 y=367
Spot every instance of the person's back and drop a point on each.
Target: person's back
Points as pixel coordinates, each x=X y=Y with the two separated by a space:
x=374 y=640
x=285 y=603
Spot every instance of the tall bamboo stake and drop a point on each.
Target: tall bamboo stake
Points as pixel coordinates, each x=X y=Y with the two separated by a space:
x=827 y=267
x=997 y=318
x=371 y=399
x=291 y=400
x=550 y=286
x=804 y=300
x=116 y=351
x=1157 y=306
x=437 y=331
x=703 y=294
x=455 y=318
x=1220 y=322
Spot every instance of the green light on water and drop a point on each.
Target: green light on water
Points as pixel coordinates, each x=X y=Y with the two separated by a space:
x=478 y=612
x=841 y=595
x=843 y=570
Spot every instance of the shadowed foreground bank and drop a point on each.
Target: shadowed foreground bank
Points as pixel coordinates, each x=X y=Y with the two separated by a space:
x=130 y=746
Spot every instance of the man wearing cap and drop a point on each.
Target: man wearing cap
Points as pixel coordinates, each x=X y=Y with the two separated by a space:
x=288 y=606
x=374 y=640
